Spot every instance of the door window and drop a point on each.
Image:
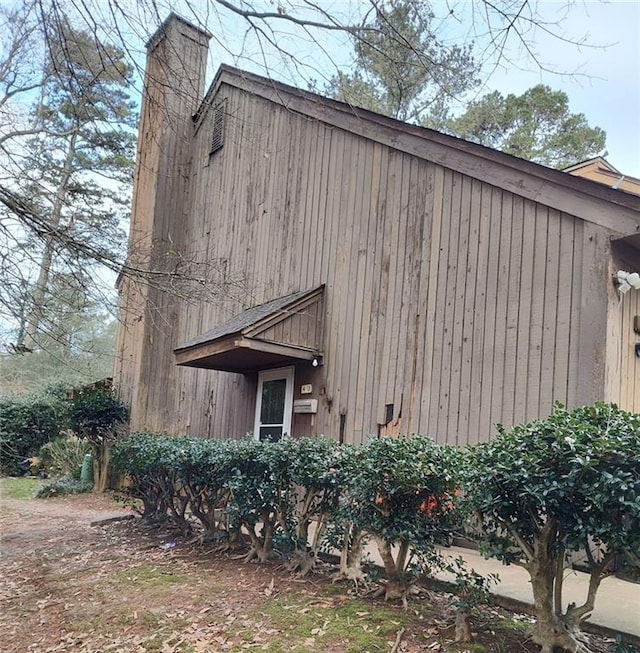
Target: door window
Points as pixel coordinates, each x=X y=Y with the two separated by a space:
x=274 y=404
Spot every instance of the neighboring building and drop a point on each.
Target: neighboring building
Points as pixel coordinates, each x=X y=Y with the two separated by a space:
x=394 y=279
x=600 y=170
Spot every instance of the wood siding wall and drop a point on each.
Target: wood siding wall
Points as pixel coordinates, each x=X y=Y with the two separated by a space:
x=623 y=366
x=629 y=397
x=303 y=328
x=450 y=304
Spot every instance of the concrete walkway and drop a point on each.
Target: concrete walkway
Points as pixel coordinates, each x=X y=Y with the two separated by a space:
x=617 y=603
x=617 y=608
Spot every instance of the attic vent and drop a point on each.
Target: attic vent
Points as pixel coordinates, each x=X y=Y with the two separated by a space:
x=219 y=119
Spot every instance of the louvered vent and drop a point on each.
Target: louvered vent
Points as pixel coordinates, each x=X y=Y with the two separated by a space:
x=219 y=119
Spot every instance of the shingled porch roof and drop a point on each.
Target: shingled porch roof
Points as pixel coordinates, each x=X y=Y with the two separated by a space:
x=279 y=332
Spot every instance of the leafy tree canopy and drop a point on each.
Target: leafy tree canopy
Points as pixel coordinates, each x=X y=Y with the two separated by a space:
x=402 y=68
x=536 y=125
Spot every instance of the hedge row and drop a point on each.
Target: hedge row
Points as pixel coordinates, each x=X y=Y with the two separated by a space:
x=566 y=484
x=399 y=491
x=27 y=424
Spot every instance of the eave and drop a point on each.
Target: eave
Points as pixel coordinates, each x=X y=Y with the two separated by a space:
x=613 y=209
x=280 y=332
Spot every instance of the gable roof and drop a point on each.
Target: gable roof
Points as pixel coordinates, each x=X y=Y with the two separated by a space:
x=585 y=199
x=262 y=336
x=596 y=161
x=601 y=171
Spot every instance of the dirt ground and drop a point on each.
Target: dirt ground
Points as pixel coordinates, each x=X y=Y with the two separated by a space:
x=69 y=583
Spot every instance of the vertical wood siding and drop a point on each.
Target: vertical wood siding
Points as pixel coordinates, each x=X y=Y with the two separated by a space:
x=623 y=366
x=144 y=370
x=450 y=304
x=629 y=363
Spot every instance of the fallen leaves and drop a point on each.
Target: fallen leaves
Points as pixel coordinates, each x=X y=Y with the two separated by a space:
x=110 y=588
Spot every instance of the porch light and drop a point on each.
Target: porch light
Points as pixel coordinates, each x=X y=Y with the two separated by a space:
x=626 y=280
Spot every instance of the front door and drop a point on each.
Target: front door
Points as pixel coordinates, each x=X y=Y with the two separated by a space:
x=274 y=404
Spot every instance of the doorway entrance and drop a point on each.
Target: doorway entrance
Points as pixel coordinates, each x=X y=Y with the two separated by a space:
x=274 y=404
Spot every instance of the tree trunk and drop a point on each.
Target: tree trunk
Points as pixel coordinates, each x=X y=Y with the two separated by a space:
x=40 y=289
x=303 y=557
x=553 y=632
x=351 y=557
x=397 y=584
x=261 y=545
x=101 y=449
x=463 y=628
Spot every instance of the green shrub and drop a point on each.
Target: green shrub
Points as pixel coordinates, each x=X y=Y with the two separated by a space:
x=398 y=491
x=567 y=483
x=26 y=424
x=98 y=416
x=204 y=476
x=232 y=485
x=96 y=412
x=62 y=486
x=144 y=459
x=403 y=493
x=261 y=493
x=320 y=469
x=64 y=456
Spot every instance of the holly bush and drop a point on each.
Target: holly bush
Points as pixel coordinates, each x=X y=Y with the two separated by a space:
x=320 y=470
x=403 y=493
x=567 y=484
x=258 y=486
x=204 y=477
x=147 y=461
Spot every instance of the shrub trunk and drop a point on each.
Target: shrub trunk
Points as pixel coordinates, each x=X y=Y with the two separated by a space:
x=351 y=557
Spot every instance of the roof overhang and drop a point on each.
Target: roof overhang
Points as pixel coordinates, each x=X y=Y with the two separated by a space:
x=280 y=332
x=589 y=200
x=240 y=354
x=629 y=243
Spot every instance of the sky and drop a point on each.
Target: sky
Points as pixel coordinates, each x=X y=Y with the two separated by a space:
x=606 y=86
x=601 y=77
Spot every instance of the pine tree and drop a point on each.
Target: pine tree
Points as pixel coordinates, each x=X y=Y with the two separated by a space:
x=402 y=69
x=78 y=169
x=536 y=125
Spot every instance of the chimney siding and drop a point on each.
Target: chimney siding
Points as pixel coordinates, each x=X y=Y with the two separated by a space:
x=173 y=89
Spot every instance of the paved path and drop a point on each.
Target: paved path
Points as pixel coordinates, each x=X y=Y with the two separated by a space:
x=617 y=603
x=617 y=606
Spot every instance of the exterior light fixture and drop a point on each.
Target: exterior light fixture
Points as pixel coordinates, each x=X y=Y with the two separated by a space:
x=626 y=280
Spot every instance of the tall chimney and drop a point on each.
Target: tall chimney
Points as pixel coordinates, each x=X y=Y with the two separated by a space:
x=173 y=89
